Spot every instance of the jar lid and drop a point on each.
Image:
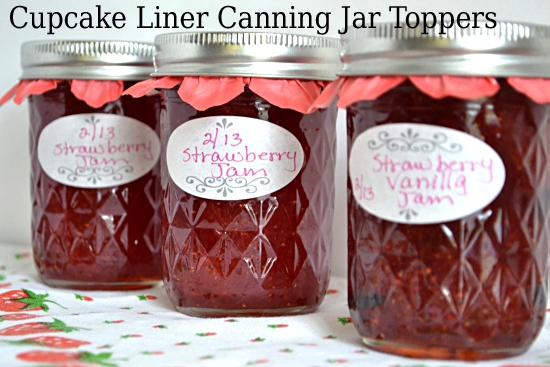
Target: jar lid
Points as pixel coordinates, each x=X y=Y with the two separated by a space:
x=509 y=49
x=265 y=55
x=102 y=60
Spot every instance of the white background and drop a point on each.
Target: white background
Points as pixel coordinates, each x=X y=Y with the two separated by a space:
x=14 y=159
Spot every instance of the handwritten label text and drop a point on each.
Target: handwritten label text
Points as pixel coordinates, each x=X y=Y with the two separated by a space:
x=97 y=150
x=416 y=173
x=232 y=158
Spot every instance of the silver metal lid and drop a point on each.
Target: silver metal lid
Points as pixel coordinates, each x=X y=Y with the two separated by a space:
x=266 y=55
x=104 y=60
x=509 y=49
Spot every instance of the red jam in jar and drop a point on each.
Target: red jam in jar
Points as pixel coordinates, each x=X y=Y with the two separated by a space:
x=248 y=189
x=447 y=202
x=95 y=172
x=266 y=255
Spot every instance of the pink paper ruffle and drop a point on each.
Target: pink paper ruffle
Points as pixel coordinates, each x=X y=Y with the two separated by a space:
x=367 y=88
x=297 y=95
x=352 y=89
x=94 y=92
x=538 y=89
x=97 y=92
x=461 y=87
x=9 y=94
x=205 y=92
x=25 y=88
x=142 y=88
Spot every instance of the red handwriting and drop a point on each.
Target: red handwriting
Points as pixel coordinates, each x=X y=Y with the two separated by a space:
x=66 y=148
x=407 y=197
x=93 y=161
x=229 y=139
x=228 y=155
x=386 y=164
x=225 y=170
x=438 y=181
x=362 y=192
x=239 y=156
x=222 y=160
x=99 y=132
x=428 y=181
x=103 y=150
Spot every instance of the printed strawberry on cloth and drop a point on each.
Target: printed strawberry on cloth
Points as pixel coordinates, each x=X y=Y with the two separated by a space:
x=46 y=327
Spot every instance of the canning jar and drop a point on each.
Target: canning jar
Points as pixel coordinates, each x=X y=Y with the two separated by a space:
x=247 y=171
x=447 y=192
x=95 y=176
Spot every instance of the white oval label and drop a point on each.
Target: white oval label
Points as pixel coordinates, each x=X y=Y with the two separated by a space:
x=232 y=157
x=423 y=174
x=97 y=150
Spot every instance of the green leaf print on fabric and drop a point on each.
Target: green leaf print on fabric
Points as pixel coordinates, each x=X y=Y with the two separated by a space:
x=127 y=336
x=146 y=297
x=277 y=326
x=22 y=255
x=39 y=327
x=205 y=334
x=83 y=298
x=51 y=342
x=344 y=320
x=101 y=359
x=25 y=300
x=256 y=362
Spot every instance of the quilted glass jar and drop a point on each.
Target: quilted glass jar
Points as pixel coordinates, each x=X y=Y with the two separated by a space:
x=447 y=189
x=95 y=172
x=248 y=172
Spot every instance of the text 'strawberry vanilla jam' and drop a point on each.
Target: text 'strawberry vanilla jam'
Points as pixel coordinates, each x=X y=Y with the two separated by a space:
x=95 y=164
x=447 y=192
x=247 y=171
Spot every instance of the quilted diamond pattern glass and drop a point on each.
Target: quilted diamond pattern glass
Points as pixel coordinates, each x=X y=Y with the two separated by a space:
x=473 y=288
x=106 y=238
x=262 y=256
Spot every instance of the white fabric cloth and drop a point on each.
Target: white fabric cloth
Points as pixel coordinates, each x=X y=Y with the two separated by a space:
x=141 y=328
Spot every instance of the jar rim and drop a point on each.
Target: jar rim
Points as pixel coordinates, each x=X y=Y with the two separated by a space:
x=507 y=49
x=87 y=59
x=247 y=54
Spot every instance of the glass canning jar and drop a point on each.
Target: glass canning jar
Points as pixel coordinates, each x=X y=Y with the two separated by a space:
x=95 y=173
x=248 y=179
x=447 y=189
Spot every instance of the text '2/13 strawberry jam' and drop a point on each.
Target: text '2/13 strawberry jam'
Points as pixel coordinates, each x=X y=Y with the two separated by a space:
x=95 y=171
x=248 y=171
x=447 y=195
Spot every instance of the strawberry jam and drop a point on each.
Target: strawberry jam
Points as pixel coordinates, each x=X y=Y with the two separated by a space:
x=266 y=255
x=94 y=238
x=471 y=288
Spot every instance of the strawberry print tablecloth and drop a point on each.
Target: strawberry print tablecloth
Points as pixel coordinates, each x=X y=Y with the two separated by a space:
x=64 y=328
